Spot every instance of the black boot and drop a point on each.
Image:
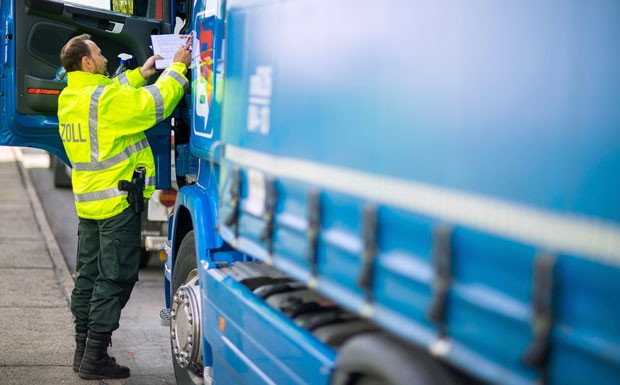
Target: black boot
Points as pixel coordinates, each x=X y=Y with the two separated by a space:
x=96 y=364
x=80 y=346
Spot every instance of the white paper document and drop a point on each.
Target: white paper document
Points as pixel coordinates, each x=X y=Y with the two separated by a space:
x=166 y=46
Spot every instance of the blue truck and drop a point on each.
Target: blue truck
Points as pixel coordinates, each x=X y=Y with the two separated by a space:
x=395 y=192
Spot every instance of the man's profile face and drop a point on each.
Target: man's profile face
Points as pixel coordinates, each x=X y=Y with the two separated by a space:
x=100 y=62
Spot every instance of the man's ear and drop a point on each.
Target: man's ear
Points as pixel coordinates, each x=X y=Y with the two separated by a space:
x=85 y=64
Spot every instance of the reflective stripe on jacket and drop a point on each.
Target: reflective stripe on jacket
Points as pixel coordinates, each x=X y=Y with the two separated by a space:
x=102 y=124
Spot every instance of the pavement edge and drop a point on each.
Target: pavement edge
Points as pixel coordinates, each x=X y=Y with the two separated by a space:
x=58 y=261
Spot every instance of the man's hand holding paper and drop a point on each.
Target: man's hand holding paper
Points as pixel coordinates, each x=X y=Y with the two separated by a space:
x=172 y=48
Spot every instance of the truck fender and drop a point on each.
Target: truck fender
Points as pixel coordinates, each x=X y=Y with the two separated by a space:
x=195 y=210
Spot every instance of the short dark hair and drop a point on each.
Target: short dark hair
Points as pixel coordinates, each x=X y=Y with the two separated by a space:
x=72 y=53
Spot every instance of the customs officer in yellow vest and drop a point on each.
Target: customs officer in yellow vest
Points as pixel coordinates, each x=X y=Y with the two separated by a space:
x=102 y=124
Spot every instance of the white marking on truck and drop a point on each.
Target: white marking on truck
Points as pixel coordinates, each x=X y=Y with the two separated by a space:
x=259 y=101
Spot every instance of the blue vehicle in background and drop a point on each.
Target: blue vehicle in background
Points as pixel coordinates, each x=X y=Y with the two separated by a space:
x=397 y=192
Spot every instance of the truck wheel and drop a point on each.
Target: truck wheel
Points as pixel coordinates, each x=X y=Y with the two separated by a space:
x=145 y=256
x=379 y=359
x=62 y=177
x=185 y=310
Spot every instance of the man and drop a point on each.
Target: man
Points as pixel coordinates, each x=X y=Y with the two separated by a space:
x=102 y=124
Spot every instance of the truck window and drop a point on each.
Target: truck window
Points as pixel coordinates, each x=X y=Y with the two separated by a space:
x=152 y=9
x=102 y=4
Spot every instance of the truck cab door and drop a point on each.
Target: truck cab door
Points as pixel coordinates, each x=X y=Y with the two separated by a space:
x=34 y=33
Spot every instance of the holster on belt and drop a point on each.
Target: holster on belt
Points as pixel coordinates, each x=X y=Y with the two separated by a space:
x=135 y=189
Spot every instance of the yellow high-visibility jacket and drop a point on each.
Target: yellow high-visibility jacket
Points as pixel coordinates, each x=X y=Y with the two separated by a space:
x=102 y=124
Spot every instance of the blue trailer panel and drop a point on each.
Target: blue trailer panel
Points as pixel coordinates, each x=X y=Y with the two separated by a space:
x=448 y=170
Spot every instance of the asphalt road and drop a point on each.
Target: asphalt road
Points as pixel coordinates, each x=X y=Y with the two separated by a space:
x=142 y=342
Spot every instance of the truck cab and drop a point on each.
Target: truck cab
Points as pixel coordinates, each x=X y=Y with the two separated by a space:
x=34 y=32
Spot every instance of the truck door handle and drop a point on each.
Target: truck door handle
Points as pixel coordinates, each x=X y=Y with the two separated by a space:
x=107 y=25
x=114 y=27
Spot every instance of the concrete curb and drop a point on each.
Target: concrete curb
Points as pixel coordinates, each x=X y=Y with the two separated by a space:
x=58 y=261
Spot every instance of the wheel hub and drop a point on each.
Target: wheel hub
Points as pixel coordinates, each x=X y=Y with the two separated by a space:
x=185 y=326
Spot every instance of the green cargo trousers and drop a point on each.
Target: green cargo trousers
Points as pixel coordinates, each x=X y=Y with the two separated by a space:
x=108 y=259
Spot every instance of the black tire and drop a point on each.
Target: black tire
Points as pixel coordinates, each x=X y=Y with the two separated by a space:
x=145 y=256
x=365 y=380
x=61 y=177
x=397 y=363
x=184 y=264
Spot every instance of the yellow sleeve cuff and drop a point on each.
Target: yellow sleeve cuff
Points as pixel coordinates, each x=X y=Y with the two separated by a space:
x=135 y=78
x=178 y=67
